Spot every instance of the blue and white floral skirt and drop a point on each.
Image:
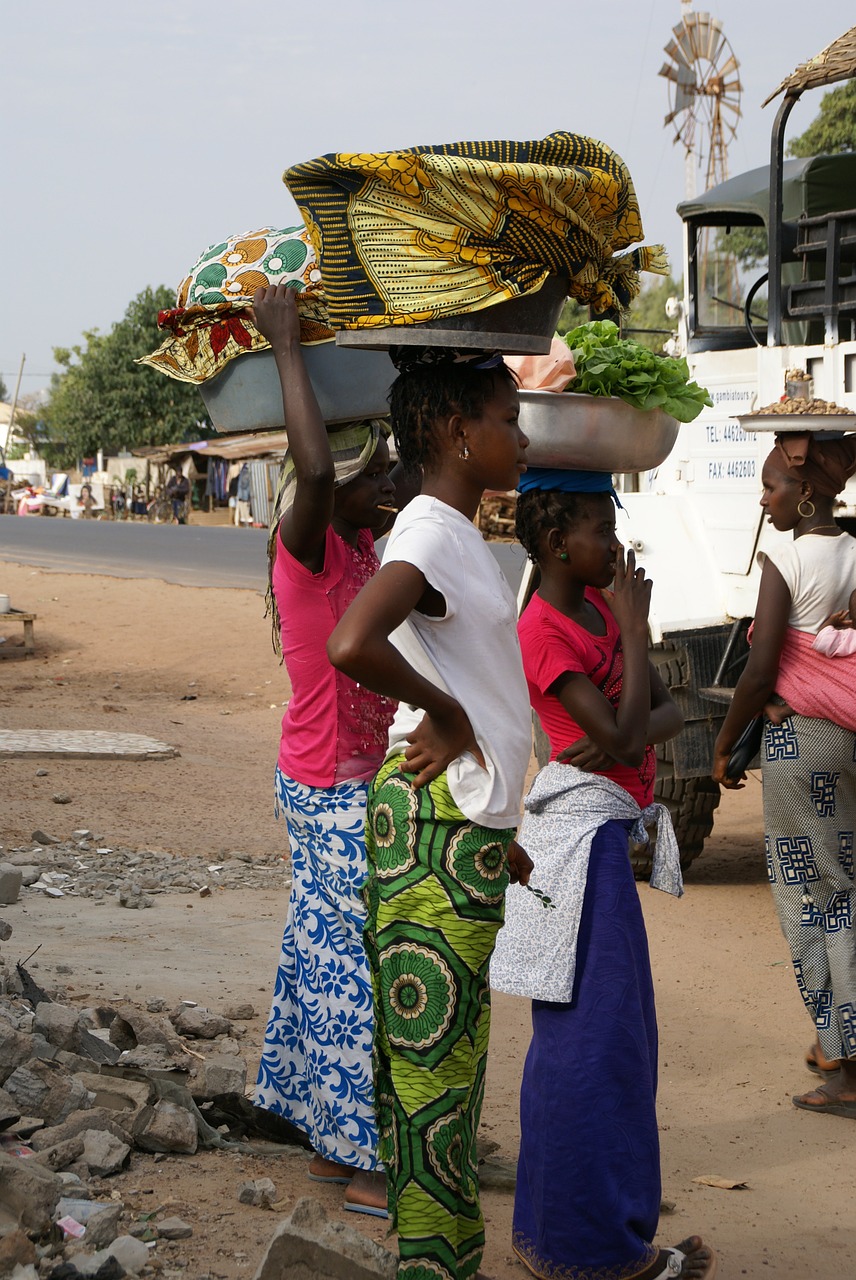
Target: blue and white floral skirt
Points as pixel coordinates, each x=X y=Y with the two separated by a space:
x=316 y=1063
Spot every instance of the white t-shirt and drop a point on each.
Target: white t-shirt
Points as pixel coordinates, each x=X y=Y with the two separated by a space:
x=472 y=653
x=820 y=573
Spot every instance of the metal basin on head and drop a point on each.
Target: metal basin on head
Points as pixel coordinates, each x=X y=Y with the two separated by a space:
x=593 y=433
x=349 y=385
x=519 y=326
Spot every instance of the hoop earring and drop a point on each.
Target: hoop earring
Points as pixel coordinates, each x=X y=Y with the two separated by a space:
x=806 y=515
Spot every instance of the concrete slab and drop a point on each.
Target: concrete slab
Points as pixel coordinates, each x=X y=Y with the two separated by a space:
x=81 y=744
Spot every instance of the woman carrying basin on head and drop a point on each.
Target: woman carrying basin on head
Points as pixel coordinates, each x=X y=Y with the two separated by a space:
x=808 y=753
x=333 y=500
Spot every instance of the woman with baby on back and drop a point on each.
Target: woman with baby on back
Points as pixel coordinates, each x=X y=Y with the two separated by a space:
x=803 y=680
x=435 y=630
x=334 y=499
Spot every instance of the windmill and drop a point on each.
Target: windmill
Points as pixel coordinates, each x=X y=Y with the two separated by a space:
x=704 y=102
x=704 y=93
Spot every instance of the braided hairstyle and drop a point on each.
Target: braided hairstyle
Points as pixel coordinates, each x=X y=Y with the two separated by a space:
x=540 y=510
x=423 y=395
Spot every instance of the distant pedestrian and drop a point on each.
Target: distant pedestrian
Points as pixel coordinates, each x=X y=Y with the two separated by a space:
x=178 y=492
x=243 y=513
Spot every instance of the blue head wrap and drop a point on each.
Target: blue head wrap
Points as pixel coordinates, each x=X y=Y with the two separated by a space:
x=566 y=481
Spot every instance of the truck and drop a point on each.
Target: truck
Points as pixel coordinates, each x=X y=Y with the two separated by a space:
x=695 y=521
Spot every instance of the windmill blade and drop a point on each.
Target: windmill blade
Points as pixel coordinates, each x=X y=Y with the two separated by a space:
x=727 y=67
x=700 y=33
x=715 y=40
x=684 y=41
x=676 y=51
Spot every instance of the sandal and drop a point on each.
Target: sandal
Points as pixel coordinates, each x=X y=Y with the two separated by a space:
x=367 y=1184
x=329 y=1171
x=677 y=1256
x=831 y=1107
x=814 y=1066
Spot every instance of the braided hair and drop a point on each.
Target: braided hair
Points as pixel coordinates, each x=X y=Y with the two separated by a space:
x=425 y=394
x=541 y=510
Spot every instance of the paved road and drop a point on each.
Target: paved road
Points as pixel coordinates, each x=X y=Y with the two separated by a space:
x=189 y=555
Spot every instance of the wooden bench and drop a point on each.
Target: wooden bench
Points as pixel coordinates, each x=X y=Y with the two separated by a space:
x=29 y=649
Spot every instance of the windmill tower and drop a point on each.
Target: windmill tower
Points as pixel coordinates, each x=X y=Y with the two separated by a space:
x=704 y=101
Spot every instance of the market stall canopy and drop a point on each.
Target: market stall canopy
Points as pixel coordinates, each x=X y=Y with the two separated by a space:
x=836 y=62
x=250 y=444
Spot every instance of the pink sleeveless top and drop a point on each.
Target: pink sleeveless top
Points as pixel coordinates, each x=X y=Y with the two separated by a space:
x=333 y=729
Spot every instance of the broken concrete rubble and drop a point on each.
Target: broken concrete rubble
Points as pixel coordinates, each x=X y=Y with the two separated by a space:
x=312 y=1246
x=200 y=1023
x=167 y=1127
x=10 y=883
x=46 y=1089
x=28 y=1193
x=260 y=1192
x=90 y=870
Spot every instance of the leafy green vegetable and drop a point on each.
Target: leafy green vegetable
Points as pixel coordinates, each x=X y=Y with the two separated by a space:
x=609 y=365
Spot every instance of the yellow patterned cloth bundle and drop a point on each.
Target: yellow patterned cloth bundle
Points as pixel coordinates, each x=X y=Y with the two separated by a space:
x=210 y=324
x=408 y=236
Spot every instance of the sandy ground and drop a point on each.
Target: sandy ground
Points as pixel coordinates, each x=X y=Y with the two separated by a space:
x=733 y=1029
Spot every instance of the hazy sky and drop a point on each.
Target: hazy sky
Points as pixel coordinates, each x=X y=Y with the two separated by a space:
x=134 y=134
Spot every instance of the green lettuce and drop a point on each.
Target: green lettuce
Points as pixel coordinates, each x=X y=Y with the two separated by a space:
x=609 y=365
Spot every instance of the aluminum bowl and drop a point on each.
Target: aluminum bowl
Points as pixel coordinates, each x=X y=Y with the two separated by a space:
x=349 y=385
x=518 y=326
x=593 y=433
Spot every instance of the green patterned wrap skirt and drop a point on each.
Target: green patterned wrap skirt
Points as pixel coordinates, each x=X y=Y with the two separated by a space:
x=435 y=898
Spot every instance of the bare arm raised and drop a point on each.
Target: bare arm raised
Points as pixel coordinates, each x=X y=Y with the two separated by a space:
x=303 y=528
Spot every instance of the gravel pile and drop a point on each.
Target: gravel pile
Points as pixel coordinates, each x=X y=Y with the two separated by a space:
x=84 y=866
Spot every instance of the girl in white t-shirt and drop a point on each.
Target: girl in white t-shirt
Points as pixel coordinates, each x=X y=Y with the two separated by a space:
x=436 y=630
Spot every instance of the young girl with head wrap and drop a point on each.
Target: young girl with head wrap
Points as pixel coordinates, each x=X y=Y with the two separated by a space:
x=809 y=748
x=333 y=500
x=587 y=1200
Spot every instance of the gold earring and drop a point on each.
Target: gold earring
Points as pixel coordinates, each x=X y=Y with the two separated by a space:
x=806 y=515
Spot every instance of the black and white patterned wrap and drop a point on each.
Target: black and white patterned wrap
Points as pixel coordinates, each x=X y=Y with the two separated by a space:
x=809 y=771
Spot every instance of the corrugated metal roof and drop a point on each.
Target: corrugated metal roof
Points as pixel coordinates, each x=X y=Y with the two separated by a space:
x=247 y=444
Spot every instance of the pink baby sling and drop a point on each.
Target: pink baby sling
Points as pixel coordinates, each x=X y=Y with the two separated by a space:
x=815 y=685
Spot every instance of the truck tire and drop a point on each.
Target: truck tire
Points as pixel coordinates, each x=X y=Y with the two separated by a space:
x=692 y=802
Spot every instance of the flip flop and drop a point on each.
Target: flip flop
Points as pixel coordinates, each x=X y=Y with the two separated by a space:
x=373 y=1210
x=830 y=1108
x=341 y=1177
x=676 y=1259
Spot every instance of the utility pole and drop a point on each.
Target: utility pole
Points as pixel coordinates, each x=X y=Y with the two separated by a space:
x=15 y=398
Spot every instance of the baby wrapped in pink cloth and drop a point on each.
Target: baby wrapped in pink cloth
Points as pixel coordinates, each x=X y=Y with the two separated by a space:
x=837 y=637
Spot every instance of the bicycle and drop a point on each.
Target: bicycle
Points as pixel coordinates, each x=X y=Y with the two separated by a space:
x=164 y=510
